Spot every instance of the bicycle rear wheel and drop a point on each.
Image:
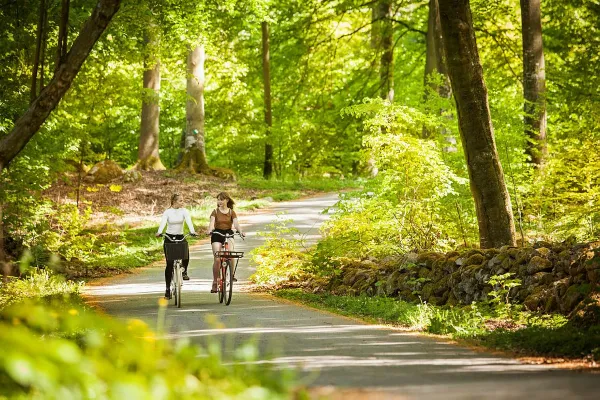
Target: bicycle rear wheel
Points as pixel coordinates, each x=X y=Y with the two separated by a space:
x=228 y=283
x=179 y=274
x=221 y=283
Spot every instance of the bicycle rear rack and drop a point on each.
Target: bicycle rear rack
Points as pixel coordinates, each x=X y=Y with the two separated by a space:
x=229 y=254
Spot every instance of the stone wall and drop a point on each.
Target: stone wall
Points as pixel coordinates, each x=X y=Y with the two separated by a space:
x=554 y=277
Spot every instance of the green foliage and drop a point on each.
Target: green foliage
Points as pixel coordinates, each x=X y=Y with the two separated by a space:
x=56 y=349
x=412 y=203
x=281 y=257
x=35 y=284
x=502 y=285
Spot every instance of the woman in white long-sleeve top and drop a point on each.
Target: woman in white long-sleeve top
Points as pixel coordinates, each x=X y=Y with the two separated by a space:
x=174 y=219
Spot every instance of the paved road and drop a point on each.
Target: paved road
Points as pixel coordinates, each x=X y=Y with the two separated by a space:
x=330 y=350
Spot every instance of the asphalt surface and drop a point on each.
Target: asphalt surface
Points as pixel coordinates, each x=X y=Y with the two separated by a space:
x=328 y=350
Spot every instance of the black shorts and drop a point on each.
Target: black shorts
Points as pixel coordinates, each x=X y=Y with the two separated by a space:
x=214 y=238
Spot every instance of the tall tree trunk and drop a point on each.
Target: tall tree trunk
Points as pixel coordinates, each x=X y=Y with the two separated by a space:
x=534 y=80
x=435 y=63
x=29 y=123
x=2 y=250
x=492 y=202
x=194 y=157
x=148 y=155
x=38 y=51
x=44 y=47
x=63 y=33
x=386 y=66
x=434 y=56
x=268 y=166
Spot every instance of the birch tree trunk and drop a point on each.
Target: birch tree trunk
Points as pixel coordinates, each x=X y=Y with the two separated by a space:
x=492 y=202
x=268 y=166
x=148 y=155
x=534 y=80
x=194 y=157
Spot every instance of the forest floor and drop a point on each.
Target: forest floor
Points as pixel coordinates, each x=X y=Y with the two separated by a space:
x=136 y=203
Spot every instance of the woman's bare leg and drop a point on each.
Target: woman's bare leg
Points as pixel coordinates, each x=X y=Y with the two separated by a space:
x=216 y=246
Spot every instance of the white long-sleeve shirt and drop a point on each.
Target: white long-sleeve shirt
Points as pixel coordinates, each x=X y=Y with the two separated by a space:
x=174 y=218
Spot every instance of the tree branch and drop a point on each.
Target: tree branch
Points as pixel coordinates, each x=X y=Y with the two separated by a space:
x=30 y=122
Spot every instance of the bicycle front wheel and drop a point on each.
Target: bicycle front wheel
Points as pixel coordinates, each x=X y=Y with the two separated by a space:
x=174 y=293
x=221 y=282
x=228 y=283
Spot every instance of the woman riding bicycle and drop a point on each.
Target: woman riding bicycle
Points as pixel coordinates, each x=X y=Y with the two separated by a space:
x=222 y=219
x=174 y=218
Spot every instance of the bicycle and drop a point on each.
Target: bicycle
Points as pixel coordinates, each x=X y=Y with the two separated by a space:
x=177 y=251
x=226 y=268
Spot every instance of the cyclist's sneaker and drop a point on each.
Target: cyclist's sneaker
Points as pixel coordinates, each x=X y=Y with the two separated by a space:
x=185 y=276
x=214 y=288
x=168 y=294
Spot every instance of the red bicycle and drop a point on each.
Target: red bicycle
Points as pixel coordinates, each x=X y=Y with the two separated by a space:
x=226 y=268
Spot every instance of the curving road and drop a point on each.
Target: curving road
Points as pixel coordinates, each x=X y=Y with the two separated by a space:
x=333 y=353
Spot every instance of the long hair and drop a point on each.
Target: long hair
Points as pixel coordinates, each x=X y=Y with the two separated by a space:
x=174 y=197
x=225 y=196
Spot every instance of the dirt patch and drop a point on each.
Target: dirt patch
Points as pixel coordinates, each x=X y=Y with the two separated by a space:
x=134 y=203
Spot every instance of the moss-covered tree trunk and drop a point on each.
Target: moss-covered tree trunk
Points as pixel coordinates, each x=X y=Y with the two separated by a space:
x=492 y=202
x=148 y=156
x=194 y=155
x=534 y=80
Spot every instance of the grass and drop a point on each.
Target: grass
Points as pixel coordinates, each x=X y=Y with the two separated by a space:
x=525 y=333
x=36 y=284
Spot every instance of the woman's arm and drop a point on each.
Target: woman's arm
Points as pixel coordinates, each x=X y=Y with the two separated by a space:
x=211 y=225
x=236 y=224
x=188 y=221
x=163 y=223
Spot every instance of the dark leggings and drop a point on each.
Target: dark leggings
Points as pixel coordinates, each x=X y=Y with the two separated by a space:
x=170 y=263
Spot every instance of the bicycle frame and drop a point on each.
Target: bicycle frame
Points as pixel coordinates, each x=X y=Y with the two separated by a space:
x=226 y=269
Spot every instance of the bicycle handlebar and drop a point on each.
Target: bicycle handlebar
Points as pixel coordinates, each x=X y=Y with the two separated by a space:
x=228 y=235
x=177 y=240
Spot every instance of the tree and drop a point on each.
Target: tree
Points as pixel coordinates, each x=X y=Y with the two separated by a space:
x=194 y=157
x=268 y=167
x=63 y=32
x=434 y=54
x=39 y=110
x=386 y=46
x=492 y=202
x=534 y=80
x=29 y=123
x=148 y=156
x=434 y=61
